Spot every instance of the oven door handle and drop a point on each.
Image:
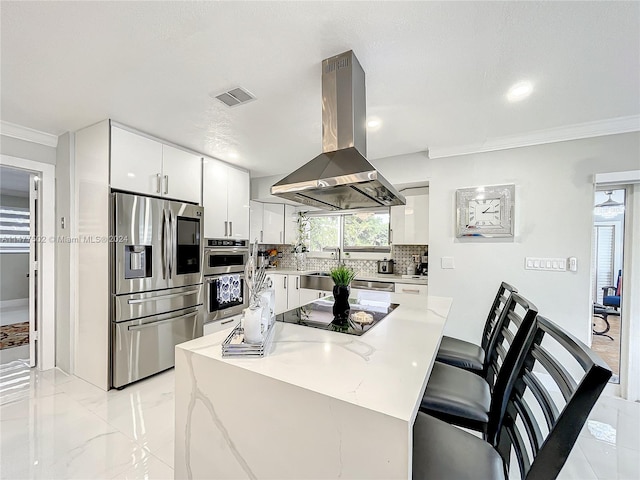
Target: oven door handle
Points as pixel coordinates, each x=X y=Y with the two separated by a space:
x=134 y=301
x=213 y=278
x=161 y=322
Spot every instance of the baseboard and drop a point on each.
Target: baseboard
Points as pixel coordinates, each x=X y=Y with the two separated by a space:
x=18 y=302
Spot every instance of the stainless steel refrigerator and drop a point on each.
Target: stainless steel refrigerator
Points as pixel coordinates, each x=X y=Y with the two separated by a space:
x=156 y=283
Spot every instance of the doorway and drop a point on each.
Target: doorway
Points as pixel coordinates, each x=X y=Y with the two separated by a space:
x=18 y=225
x=27 y=242
x=607 y=276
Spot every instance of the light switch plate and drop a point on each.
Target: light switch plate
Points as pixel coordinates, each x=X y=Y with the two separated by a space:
x=545 y=264
x=447 y=262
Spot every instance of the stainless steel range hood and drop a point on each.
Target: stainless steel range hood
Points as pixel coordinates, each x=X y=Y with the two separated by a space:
x=340 y=178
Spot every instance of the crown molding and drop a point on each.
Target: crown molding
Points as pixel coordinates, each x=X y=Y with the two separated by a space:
x=577 y=131
x=29 y=134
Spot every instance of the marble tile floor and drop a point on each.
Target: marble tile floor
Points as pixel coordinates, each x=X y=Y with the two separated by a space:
x=53 y=425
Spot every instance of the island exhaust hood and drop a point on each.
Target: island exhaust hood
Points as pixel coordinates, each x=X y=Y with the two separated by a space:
x=340 y=178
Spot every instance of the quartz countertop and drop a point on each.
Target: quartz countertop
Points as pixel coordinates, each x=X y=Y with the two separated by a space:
x=415 y=280
x=385 y=370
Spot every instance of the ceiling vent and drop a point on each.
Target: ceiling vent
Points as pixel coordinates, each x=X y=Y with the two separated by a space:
x=235 y=97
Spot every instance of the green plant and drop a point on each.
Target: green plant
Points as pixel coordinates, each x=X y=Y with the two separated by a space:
x=342 y=275
x=302 y=233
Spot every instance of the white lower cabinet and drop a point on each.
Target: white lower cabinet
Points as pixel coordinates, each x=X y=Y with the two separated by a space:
x=411 y=289
x=224 y=324
x=293 y=291
x=309 y=295
x=287 y=290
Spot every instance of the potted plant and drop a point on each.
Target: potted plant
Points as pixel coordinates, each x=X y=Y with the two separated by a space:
x=299 y=247
x=342 y=277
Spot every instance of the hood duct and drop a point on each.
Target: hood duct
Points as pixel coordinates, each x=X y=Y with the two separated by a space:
x=340 y=178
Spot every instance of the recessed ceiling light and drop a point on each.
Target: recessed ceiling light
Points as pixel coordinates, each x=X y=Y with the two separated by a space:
x=374 y=123
x=519 y=91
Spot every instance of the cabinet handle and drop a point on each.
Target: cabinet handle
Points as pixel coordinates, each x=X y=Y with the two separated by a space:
x=231 y=229
x=158 y=182
x=297 y=280
x=390 y=236
x=226 y=224
x=285 y=282
x=410 y=290
x=226 y=321
x=166 y=184
x=261 y=236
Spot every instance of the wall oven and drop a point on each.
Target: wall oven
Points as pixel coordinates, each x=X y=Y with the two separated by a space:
x=224 y=283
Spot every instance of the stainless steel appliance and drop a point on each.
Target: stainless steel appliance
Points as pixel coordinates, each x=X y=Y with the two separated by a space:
x=224 y=286
x=385 y=266
x=341 y=177
x=156 y=283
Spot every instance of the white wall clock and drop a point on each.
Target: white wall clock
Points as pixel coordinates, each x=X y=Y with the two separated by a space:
x=485 y=211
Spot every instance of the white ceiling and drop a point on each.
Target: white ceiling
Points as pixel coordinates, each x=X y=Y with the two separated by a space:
x=437 y=72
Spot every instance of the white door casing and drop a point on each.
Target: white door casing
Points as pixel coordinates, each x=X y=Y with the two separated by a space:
x=45 y=354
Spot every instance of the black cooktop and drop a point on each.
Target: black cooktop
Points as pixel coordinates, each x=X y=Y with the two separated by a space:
x=319 y=314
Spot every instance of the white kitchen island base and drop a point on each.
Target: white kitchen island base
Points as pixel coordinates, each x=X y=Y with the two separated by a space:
x=321 y=405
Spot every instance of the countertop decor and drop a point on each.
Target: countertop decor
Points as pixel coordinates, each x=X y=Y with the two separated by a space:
x=342 y=277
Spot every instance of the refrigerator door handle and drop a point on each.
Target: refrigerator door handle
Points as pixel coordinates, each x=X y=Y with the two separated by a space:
x=155 y=324
x=165 y=265
x=133 y=301
x=171 y=246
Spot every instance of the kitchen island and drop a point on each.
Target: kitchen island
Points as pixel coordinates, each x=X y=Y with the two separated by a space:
x=322 y=405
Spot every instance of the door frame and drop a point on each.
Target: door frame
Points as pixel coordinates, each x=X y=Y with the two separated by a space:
x=46 y=278
x=630 y=308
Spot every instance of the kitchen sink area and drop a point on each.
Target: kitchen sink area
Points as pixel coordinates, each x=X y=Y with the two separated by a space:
x=323 y=281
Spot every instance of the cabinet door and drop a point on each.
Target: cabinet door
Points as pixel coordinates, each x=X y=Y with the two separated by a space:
x=410 y=222
x=225 y=324
x=293 y=291
x=181 y=175
x=290 y=224
x=279 y=282
x=256 y=212
x=308 y=295
x=273 y=223
x=397 y=222
x=411 y=289
x=238 y=203
x=136 y=163
x=214 y=198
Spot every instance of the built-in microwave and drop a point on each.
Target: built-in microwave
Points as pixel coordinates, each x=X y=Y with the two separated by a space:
x=225 y=256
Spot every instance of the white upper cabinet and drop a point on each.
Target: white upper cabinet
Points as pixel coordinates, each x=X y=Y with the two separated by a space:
x=226 y=200
x=290 y=224
x=136 y=163
x=273 y=223
x=143 y=165
x=410 y=222
x=181 y=175
x=256 y=211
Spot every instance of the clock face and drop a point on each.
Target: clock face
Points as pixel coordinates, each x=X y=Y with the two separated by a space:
x=484 y=212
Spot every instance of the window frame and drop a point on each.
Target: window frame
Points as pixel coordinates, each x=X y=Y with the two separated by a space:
x=352 y=253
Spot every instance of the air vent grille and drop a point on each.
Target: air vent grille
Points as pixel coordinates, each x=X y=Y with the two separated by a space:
x=235 y=96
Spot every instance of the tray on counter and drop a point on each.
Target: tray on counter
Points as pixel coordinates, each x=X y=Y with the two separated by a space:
x=231 y=348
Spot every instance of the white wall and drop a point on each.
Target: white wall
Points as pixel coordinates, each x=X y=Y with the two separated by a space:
x=15 y=147
x=554 y=215
x=64 y=279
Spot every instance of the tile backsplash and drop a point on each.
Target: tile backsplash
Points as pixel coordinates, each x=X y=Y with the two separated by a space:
x=402 y=256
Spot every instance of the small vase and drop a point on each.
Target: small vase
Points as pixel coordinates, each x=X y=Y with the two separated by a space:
x=341 y=307
x=252 y=325
x=301 y=261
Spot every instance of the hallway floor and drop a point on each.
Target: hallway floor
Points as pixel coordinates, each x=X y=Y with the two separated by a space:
x=53 y=425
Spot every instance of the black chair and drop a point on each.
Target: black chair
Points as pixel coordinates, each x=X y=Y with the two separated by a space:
x=611 y=294
x=470 y=356
x=441 y=451
x=463 y=398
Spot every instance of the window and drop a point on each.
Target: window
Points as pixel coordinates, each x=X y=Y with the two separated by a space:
x=14 y=229
x=362 y=231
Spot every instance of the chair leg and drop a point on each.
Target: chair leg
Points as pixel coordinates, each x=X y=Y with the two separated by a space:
x=603 y=333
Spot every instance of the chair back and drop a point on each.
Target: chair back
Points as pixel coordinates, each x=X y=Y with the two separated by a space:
x=504 y=292
x=509 y=335
x=543 y=413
